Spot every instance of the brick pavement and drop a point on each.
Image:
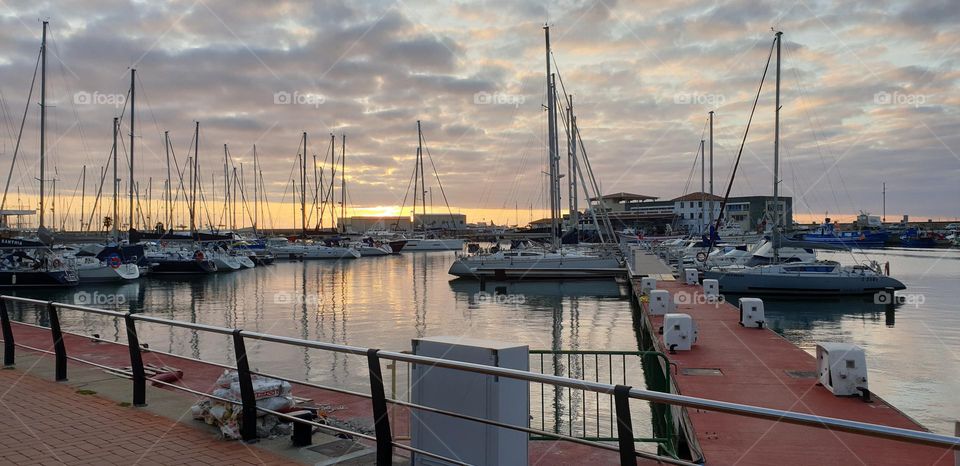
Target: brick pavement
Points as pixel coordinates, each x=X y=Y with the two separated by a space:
x=44 y=422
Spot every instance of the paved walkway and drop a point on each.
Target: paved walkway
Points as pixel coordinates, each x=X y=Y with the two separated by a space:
x=46 y=422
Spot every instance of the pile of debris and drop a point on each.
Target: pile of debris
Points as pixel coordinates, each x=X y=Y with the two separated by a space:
x=272 y=394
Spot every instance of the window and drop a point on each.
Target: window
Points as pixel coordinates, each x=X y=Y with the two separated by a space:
x=700 y=204
x=681 y=205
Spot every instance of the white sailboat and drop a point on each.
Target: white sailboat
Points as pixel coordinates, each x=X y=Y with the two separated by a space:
x=540 y=264
x=802 y=278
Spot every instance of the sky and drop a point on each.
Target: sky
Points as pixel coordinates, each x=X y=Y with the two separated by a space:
x=869 y=96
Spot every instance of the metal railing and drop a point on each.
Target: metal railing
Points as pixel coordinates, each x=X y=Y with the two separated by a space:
x=562 y=410
x=384 y=441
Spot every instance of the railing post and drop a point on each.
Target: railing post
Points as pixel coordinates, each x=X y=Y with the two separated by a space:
x=248 y=420
x=8 y=346
x=628 y=453
x=136 y=362
x=956 y=451
x=60 y=351
x=381 y=421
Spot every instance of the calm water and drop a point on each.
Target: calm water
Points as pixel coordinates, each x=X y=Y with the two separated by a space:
x=913 y=354
x=378 y=302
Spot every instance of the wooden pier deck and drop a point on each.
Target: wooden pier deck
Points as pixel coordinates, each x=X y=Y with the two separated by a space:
x=759 y=367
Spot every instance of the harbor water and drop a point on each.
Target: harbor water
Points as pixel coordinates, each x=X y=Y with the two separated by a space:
x=913 y=353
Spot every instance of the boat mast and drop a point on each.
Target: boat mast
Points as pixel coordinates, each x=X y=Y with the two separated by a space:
x=551 y=141
x=83 y=196
x=703 y=203
x=43 y=117
x=195 y=178
x=116 y=183
x=133 y=100
x=572 y=166
x=343 y=180
x=776 y=162
x=256 y=204
x=303 y=186
x=711 y=172
x=419 y=172
x=168 y=210
x=333 y=177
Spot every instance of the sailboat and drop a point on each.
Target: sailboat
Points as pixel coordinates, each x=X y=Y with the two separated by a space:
x=801 y=278
x=540 y=264
x=26 y=262
x=302 y=248
x=422 y=239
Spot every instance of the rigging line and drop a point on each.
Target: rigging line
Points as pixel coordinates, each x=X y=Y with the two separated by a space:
x=816 y=139
x=405 y=193
x=63 y=219
x=437 y=175
x=16 y=150
x=746 y=131
x=66 y=85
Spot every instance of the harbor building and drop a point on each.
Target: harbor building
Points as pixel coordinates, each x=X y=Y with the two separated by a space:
x=431 y=221
x=686 y=213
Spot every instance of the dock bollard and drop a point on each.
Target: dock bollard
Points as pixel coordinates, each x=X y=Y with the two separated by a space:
x=660 y=302
x=691 y=276
x=647 y=284
x=711 y=287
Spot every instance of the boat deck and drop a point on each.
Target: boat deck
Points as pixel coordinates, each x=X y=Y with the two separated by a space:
x=759 y=367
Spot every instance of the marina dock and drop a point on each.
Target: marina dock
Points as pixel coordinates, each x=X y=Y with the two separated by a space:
x=758 y=367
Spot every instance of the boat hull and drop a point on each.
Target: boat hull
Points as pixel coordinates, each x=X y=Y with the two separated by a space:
x=182 y=267
x=434 y=245
x=798 y=284
x=850 y=239
x=502 y=269
x=107 y=274
x=31 y=278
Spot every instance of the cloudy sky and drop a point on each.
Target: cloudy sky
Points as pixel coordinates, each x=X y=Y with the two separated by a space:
x=870 y=95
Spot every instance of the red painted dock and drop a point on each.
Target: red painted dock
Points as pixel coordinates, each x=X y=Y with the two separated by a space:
x=755 y=367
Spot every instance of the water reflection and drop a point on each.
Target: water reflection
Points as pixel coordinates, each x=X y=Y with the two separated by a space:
x=379 y=302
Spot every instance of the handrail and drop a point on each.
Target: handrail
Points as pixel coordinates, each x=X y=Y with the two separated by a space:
x=856 y=427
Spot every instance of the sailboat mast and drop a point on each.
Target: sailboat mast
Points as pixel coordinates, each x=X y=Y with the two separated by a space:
x=423 y=186
x=116 y=183
x=551 y=141
x=256 y=203
x=167 y=209
x=133 y=100
x=776 y=163
x=194 y=179
x=83 y=196
x=43 y=117
x=303 y=186
x=572 y=166
x=343 y=179
x=711 y=169
x=703 y=203
x=333 y=177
